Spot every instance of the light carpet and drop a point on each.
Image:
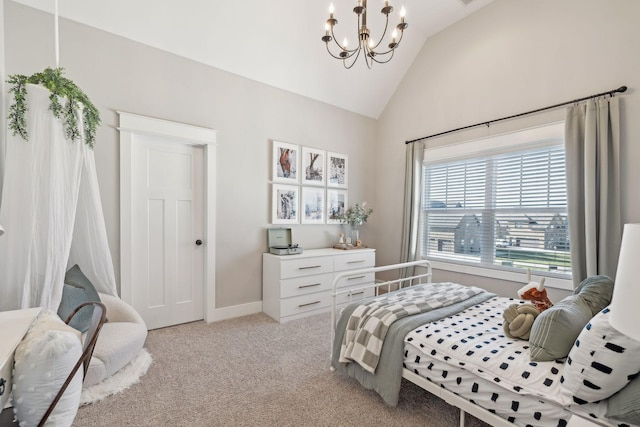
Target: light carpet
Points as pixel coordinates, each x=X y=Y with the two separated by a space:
x=253 y=371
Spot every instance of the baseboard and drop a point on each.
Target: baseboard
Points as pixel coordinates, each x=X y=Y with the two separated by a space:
x=225 y=313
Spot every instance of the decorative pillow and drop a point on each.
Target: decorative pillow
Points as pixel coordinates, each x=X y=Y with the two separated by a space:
x=555 y=330
x=77 y=290
x=625 y=404
x=601 y=362
x=43 y=360
x=596 y=292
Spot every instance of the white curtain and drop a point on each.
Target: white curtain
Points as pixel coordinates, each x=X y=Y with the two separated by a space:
x=412 y=205
x=50 y=209
x=592 y=140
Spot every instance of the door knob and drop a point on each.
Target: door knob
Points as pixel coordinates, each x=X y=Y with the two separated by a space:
x=198 y=242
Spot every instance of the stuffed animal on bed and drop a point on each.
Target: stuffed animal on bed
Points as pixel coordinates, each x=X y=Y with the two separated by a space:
x=535 y=292
x=518 y=318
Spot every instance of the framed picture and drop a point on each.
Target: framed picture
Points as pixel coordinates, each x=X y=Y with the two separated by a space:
x=312 y=211
x=285 y=204
x=337 y=202
x=313 y=166
x=337 y=170
x=286 y=162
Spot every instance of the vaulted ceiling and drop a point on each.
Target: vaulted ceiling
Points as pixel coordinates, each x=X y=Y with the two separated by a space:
x=276 y=42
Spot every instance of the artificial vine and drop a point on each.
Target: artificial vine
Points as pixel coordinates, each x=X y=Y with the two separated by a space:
x=61 y=88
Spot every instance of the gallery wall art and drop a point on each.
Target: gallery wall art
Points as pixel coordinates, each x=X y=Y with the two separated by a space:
x=309 y=185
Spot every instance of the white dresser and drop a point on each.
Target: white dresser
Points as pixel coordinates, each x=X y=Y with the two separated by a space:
x=295 y=286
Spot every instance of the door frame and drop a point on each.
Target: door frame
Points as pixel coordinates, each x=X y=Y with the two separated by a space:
x=131 y=124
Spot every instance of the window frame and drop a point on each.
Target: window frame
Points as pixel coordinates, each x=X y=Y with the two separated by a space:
x=520 y=140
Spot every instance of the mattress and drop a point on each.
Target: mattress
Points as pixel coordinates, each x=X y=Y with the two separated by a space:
x=468 y=354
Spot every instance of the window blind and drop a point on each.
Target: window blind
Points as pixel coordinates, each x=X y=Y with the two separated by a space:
x=507 y=210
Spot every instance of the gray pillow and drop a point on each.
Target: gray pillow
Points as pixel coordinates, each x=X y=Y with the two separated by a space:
x=596 y=292
x=555 y=330
x=625 y=404
x=77 y=290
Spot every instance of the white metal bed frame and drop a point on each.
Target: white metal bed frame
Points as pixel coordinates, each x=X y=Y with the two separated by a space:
x=464 y=405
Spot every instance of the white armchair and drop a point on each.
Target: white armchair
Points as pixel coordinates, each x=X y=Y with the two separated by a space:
x=120 y=340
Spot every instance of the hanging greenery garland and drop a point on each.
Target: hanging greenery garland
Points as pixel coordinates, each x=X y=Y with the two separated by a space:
x=61 y=88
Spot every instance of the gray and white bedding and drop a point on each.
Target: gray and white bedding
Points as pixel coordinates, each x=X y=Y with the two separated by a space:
x=468 y=354
x=369 y=322
x=522 y=410
x=388 y=376
x=462 y=347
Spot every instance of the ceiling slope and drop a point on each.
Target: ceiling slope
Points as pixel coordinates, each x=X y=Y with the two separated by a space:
x=276 y=42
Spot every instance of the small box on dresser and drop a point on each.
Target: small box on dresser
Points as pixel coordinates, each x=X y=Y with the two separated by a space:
x=295 y=286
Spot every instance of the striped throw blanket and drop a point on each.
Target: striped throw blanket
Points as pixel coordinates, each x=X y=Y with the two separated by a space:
x=369 y=322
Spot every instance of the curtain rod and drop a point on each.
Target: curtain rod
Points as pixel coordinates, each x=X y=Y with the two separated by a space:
x=487 y=123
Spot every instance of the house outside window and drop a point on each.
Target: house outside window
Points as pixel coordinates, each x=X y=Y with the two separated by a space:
x=499 y=203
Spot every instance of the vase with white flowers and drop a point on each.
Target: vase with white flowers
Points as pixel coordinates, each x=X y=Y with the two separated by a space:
x=355 y=216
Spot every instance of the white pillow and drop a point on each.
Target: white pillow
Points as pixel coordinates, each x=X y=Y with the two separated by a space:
x=43 y=360
x=601 y=362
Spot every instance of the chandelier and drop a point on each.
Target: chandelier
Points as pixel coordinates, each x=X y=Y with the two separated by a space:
x=373 y=52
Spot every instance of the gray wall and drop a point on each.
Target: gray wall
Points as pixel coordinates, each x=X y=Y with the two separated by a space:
x=511 y=56
x=121 y=75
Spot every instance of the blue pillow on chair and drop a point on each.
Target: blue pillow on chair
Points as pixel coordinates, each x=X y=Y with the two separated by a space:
x=77 y=290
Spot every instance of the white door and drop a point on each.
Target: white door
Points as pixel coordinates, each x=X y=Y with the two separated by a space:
x=167 y=230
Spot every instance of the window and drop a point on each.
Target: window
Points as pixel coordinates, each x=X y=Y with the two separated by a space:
x=499 y=203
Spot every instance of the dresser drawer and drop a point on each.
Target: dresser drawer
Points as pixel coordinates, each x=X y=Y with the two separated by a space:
x=305 y=285
x=357 y=295
x=354 y=260
x=304 y=303
x=360 y=279
x=306 y=267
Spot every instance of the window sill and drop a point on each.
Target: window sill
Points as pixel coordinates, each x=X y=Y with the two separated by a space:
x=513 y=276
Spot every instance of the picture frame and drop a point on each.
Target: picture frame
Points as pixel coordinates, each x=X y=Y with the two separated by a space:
x=313 y=170
x=337 y=170
x=285 y=162
x=337 y=203
x=285 y=204
x=312 y=210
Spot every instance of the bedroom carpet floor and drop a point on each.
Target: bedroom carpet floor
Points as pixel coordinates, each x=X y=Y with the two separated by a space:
x=252 y=371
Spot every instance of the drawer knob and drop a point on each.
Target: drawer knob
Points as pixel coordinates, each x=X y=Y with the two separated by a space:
x=356 y=262
x=311 y=266
x=308 y=286
x=356 y=277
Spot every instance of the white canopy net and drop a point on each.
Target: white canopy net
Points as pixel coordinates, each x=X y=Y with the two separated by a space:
x=51 y=213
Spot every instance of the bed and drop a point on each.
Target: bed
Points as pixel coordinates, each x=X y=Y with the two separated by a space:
x=449 y=340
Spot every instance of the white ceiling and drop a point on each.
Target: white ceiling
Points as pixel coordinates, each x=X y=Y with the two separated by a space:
x=277 y=42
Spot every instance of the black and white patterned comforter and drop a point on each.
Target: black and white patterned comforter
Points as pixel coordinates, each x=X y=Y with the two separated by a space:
x=469 y=354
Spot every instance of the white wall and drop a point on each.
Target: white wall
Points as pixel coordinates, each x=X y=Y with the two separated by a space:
x=510 y=57
x=118 y=74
